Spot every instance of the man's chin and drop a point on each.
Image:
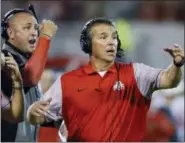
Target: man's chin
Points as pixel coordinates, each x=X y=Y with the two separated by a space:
x=31 y=50
x=110 y=59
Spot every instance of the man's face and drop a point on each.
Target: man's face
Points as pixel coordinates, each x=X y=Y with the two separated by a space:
x=22 y=32
x=104 y=42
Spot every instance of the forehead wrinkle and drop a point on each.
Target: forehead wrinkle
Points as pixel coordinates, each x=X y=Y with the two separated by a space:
x=94 y=28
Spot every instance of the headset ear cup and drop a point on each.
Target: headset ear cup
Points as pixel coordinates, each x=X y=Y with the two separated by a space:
x=4 y=27
x=85 y=44
x=120 y=51
x=89 y=48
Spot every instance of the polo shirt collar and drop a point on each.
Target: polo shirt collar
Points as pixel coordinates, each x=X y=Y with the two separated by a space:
x=89 y=70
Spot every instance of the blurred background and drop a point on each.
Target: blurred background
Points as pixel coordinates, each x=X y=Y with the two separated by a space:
x=144 y=27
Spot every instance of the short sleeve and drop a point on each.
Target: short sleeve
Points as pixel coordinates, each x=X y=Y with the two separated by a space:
x=147 y=78
x=55 y=106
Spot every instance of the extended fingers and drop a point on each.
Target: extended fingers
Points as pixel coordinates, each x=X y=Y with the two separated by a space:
x=175 y=51
x=40 y=110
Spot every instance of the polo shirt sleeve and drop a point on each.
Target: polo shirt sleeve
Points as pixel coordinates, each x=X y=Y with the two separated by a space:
x=55 y=106
x=147 y=78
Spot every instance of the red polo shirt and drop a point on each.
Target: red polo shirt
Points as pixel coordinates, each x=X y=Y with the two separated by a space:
x=95 y=110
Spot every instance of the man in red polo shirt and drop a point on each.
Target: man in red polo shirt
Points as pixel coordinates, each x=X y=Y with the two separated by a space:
x=105 y=100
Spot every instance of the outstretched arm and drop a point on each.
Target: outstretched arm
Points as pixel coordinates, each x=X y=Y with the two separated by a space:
x=150 y=79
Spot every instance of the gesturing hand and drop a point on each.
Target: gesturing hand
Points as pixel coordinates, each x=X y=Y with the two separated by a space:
x=177 y=53
x=40 y=108
x=48 y=28
x=14 y=69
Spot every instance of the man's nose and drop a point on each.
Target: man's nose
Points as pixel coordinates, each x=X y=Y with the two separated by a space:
x=34 y=32
x=111 y=41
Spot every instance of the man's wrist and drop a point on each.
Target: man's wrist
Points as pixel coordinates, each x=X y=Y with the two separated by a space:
x=17 y=85
x=179 y=64
x=46 y=35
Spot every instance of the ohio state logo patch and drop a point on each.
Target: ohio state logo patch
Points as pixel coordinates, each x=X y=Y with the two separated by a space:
x=118 y=86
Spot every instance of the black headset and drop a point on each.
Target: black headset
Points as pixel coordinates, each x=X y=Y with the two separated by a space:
x=85 y=39
x=9 y=14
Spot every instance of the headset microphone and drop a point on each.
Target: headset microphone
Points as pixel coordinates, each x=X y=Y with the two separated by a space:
x=31 y=8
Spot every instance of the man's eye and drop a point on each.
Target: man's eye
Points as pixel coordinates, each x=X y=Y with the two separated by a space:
x=26 y=27
x=103 y=37
x=115 y=37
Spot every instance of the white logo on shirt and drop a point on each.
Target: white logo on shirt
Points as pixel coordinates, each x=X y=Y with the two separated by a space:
x=118 y=86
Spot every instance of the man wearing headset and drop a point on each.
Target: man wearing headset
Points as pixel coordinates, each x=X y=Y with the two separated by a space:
x=108 y=100
x=20 y=29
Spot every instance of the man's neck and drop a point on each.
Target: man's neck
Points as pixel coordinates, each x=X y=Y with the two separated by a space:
x=11 y=42
x=100 y=65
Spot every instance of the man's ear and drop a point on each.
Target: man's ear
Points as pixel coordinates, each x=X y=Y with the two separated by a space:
x=10 y=33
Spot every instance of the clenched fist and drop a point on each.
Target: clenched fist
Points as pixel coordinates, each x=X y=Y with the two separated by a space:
x=177 y=53
x=48 y=28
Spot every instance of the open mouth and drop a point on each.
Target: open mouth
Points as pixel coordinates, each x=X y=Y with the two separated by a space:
x=111 y=51
x=32 y=42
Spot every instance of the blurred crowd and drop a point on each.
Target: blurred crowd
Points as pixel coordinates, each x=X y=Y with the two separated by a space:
x=83 y=10
x=166 y=115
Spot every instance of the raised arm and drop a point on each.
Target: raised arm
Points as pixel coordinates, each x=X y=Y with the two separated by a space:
x=13 y=110
x=35 y=66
